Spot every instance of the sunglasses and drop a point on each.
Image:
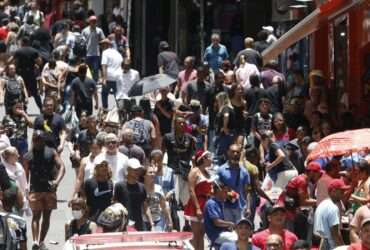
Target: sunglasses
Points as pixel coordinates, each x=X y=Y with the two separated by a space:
x=112 y=142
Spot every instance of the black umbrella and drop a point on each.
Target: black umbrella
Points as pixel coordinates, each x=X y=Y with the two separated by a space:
x=150 y=84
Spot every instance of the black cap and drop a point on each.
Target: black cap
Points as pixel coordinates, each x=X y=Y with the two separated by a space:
x=245 y=221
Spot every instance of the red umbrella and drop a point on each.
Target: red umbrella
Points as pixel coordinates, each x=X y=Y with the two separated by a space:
x=342 y=143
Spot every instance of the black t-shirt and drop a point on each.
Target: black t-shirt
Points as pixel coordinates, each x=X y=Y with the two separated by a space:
x=84 y=90
x=295 y=120
x=25 y=59
x=220 y=119
x=169 y=61
x=251 y=56
x=286 y=164
x=275 y=94
x=132 y=197
x=84 y=141
x=98 y=196
x=52 y=126
x=210 y=103
x=253 y=95
x=164 y=122
x=198 y=91
x=42 y=167
x=43 y=36
x=4 y=178
x=180 y=149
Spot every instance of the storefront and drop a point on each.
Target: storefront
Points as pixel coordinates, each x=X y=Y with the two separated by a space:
x=339 y=37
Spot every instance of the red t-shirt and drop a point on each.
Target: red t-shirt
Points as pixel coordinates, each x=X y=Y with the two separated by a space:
x=3 y=33
x=297 y=186
x=259 y=239
x=357 y=246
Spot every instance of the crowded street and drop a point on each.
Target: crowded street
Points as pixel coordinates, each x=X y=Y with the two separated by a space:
x=185 y=124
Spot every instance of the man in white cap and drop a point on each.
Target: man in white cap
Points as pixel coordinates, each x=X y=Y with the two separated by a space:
x=93 y=35
x=271 y=37
x=132 y=195
x=116 y=160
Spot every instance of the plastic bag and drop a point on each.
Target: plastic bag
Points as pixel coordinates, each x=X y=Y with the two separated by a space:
x=70 y=118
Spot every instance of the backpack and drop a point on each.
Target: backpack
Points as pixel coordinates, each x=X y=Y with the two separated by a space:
x=141 y=135
x=6 y=241
x=80 y=46
x=13 y=89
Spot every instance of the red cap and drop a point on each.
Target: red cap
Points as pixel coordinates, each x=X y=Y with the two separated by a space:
x=338 y=184
x=200 y=154
x=313 y=166
x=92 y=18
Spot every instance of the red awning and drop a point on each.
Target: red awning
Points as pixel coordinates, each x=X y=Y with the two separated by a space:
x=308 y=25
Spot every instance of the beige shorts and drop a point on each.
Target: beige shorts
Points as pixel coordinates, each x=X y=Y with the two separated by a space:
x=40 y=201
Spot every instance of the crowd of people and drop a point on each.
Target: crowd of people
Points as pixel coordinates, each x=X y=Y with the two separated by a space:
x=226 y=143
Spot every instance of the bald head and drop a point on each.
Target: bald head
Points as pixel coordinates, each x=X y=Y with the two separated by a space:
x=127 y=136
x=274 y=242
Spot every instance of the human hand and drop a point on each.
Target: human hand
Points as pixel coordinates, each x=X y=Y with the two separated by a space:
x=60 y=149
x=199 y=214
x=54 y=185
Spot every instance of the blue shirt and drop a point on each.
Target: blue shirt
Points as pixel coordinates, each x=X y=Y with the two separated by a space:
x=229 y=176
x=166 y=181
x=213 y=209
x=215 y=56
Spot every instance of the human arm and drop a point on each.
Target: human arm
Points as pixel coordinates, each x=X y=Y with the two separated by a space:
x=225 y=123
x=167 y=114
x=167 y=213
x=148 y=214
x=353 y=235
x=24 y=89
x=80 y=179
x=63 y=136
x=152 y=134
x=104 y=69
x=2 y=92
x=96 y=99
x=61 y=170
x=336 y=235
x=280 y=156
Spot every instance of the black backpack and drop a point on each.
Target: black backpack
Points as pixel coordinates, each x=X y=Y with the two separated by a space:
x=80 y=47
x=13 y=89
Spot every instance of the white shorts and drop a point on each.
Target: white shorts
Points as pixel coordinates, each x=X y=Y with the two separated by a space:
x=282 y=180
x=181 y=190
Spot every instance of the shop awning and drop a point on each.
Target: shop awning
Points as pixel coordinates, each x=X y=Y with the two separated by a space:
x=308 y=25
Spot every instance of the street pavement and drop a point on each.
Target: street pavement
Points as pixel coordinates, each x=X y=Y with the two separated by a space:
x=55 y=237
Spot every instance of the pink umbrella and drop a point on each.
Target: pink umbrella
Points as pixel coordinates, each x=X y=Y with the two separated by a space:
x=342 y=143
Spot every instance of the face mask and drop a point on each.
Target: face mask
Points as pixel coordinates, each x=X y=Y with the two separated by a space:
x=76 y=214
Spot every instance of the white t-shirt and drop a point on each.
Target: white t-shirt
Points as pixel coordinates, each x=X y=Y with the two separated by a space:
x=125 y=81
x=113 y=59
x=244 y=72
x=117 y=162
x=327 y=215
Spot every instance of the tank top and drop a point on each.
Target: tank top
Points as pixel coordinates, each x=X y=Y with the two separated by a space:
x=89 y=168
x=83 y=229
x=239 y=125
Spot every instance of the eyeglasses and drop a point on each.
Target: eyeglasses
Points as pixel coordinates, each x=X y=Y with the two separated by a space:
x=111 y=142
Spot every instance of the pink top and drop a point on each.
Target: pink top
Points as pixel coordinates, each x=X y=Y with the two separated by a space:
x=322 y=188
x=185 y=77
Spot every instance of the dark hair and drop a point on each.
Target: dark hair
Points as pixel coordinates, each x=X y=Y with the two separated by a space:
x=273 y=127
x=26 y=40
x=262 y=35
x=232 y=90
x=145 y=105
x=364 y=166
x=255 y=80
x=329 y=166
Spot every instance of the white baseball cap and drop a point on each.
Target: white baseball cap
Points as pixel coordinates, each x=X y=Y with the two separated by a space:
x=133 y=163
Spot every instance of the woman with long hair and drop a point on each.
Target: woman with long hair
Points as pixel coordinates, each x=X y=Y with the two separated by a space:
x=239 y=104
x=200 y=187
x=87 y=165
x=225 y=126
x=280 y=129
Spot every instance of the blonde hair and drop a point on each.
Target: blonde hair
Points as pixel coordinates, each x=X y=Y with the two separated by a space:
x=105 y=165
x=9 y=151
x=223 y=100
